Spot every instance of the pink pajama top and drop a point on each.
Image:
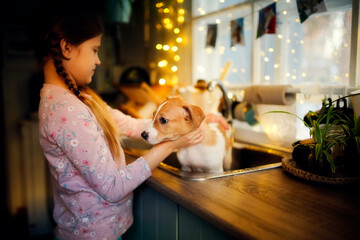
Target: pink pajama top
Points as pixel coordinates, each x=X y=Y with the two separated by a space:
x=92 y=194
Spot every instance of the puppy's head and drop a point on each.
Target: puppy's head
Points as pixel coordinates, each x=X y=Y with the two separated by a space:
x=172 y=119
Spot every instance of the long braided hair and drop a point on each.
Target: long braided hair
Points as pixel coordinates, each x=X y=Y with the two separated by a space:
x=76 y=26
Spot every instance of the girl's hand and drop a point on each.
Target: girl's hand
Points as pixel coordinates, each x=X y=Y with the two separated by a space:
x=189 y=139
x=213 y=118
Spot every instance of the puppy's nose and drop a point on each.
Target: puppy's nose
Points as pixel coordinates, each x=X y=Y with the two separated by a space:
x=145 y=135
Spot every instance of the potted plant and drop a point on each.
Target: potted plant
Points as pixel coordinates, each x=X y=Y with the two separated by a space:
x=334 y=147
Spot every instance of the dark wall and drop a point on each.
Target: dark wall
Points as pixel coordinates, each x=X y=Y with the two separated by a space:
x=123 y=46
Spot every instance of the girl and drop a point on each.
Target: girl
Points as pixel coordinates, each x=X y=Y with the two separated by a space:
x=92 y=185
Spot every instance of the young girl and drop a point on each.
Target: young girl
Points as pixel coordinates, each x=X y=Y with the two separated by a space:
x=79 y=133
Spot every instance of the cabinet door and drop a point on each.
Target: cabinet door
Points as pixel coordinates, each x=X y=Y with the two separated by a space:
x=156 y=217
x=192 y=227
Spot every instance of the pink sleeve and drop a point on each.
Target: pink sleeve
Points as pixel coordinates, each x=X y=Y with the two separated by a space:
x=128 y=125
x=80 y=140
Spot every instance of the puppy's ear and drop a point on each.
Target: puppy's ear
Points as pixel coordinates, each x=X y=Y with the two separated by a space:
x=194 y=113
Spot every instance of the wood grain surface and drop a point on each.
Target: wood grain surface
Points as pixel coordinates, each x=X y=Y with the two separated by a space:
x=269 y=204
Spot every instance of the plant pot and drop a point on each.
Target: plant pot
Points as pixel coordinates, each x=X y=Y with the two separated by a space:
x=351 y=160
x=319 y=167
x=305 y=160
x=300 y=155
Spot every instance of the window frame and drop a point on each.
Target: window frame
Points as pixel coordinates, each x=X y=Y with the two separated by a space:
x=354 y=71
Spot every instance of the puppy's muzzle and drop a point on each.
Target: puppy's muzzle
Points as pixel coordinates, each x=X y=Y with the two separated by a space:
x=145 y=135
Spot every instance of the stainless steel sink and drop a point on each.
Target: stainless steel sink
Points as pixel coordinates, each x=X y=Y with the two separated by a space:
x=246 y=158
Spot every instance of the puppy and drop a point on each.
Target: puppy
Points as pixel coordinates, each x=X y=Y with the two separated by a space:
x=173 y=119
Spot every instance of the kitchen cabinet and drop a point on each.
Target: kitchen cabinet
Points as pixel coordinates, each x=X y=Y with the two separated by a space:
x=157 y=217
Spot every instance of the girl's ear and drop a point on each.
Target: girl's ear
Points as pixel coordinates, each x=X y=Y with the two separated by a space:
x=65 y=49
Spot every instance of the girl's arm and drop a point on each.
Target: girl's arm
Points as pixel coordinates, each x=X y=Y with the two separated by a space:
x=129 y=126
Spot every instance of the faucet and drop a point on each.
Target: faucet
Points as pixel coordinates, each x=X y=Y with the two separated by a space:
x=228 y=112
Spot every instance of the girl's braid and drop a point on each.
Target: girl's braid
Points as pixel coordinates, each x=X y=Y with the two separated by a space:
x=57 y=55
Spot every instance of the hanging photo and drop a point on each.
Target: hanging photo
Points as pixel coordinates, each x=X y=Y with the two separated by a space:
x=309 y=7
x=211 y=35
x=237 y=32
x=267 y=20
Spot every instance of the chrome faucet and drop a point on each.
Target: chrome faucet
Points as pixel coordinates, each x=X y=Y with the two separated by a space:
x=228 y=112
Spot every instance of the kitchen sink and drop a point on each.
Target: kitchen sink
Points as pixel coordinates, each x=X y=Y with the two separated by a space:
x=246 y=158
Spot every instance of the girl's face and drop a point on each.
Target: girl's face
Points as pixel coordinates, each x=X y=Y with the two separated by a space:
x=83 y=60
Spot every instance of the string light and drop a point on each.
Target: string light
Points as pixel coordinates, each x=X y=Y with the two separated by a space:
x=162 y=81
x=171 y=17
x=159 y=46
x=162 y=63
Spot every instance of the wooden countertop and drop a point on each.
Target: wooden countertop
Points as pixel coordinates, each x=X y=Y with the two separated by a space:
x=269 y=204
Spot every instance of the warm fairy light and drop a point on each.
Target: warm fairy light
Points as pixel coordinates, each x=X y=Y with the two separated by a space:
x=171 y=17
x=159 y=46
x=218 y=21
x=162 y=81
x=159 y=5
x=162 y=63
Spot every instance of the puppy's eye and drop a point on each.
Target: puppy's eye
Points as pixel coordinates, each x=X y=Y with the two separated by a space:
x=163 y=120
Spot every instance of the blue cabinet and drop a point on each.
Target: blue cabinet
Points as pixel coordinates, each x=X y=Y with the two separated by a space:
x=156 y=217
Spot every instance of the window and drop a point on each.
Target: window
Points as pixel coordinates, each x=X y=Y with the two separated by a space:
x=317 y=56
x=316 y=51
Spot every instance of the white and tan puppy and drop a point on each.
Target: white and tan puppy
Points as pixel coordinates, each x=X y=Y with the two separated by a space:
x=173 y=119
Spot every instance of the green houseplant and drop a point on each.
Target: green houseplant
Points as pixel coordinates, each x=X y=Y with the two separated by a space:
x=334 y=147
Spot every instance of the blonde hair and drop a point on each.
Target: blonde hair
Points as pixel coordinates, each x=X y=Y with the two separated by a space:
x=94 y=102
x=76 y=25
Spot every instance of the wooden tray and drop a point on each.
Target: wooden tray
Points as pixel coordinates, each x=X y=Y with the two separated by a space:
x=289 y=166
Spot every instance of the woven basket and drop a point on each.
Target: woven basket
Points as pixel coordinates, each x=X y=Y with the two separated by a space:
x=290 y=166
